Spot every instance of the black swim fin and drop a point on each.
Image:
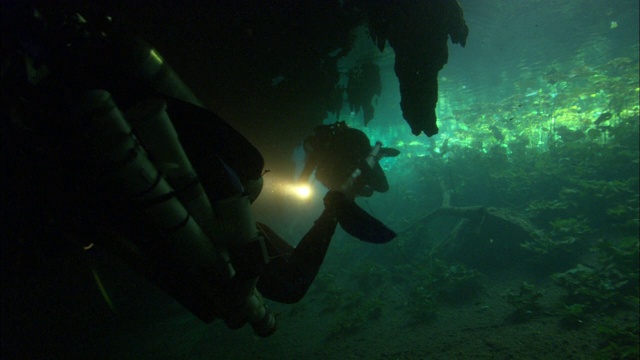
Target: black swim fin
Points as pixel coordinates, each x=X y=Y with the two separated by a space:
x=360 y=224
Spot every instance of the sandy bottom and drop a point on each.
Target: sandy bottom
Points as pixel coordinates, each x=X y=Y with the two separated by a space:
x=61 y=315
x=480 y=330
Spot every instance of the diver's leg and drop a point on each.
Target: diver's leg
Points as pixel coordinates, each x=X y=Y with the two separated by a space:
x=287 y=278
x=276 y=246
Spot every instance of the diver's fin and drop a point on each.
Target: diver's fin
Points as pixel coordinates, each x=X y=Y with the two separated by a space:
x=388 y=152
x=362 y=225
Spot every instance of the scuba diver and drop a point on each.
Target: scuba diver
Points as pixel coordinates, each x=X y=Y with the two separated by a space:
x=90 y=124
x=335 y=151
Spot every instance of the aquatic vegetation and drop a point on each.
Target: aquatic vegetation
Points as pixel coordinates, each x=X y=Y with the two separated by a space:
x=456 y=283
x=566 y=242
x=610 y=283
x=603 y=202
x=622 y=253
x=352 y=309
x=552 y=254
x=584 y=285
x=422 y=305
x=624 y=218
x=570 y=226
x=370 y=276
x=437 y=283
x=618 y=341
x=573 y=316
x=526 y=302
x=538 y=206
x=620 y=211
x=358 y=311
x=550 y=245
x=449 y=283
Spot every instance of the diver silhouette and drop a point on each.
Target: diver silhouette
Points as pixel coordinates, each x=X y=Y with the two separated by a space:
x=335 y=151
x=101 y=120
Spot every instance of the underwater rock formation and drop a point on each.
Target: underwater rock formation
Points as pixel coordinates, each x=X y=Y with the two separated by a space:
x=418 y=32
x=364 y=84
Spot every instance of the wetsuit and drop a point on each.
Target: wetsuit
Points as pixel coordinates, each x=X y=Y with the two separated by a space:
x=335 y=152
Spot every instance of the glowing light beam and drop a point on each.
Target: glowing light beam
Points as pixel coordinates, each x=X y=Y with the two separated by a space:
x=302 y=191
